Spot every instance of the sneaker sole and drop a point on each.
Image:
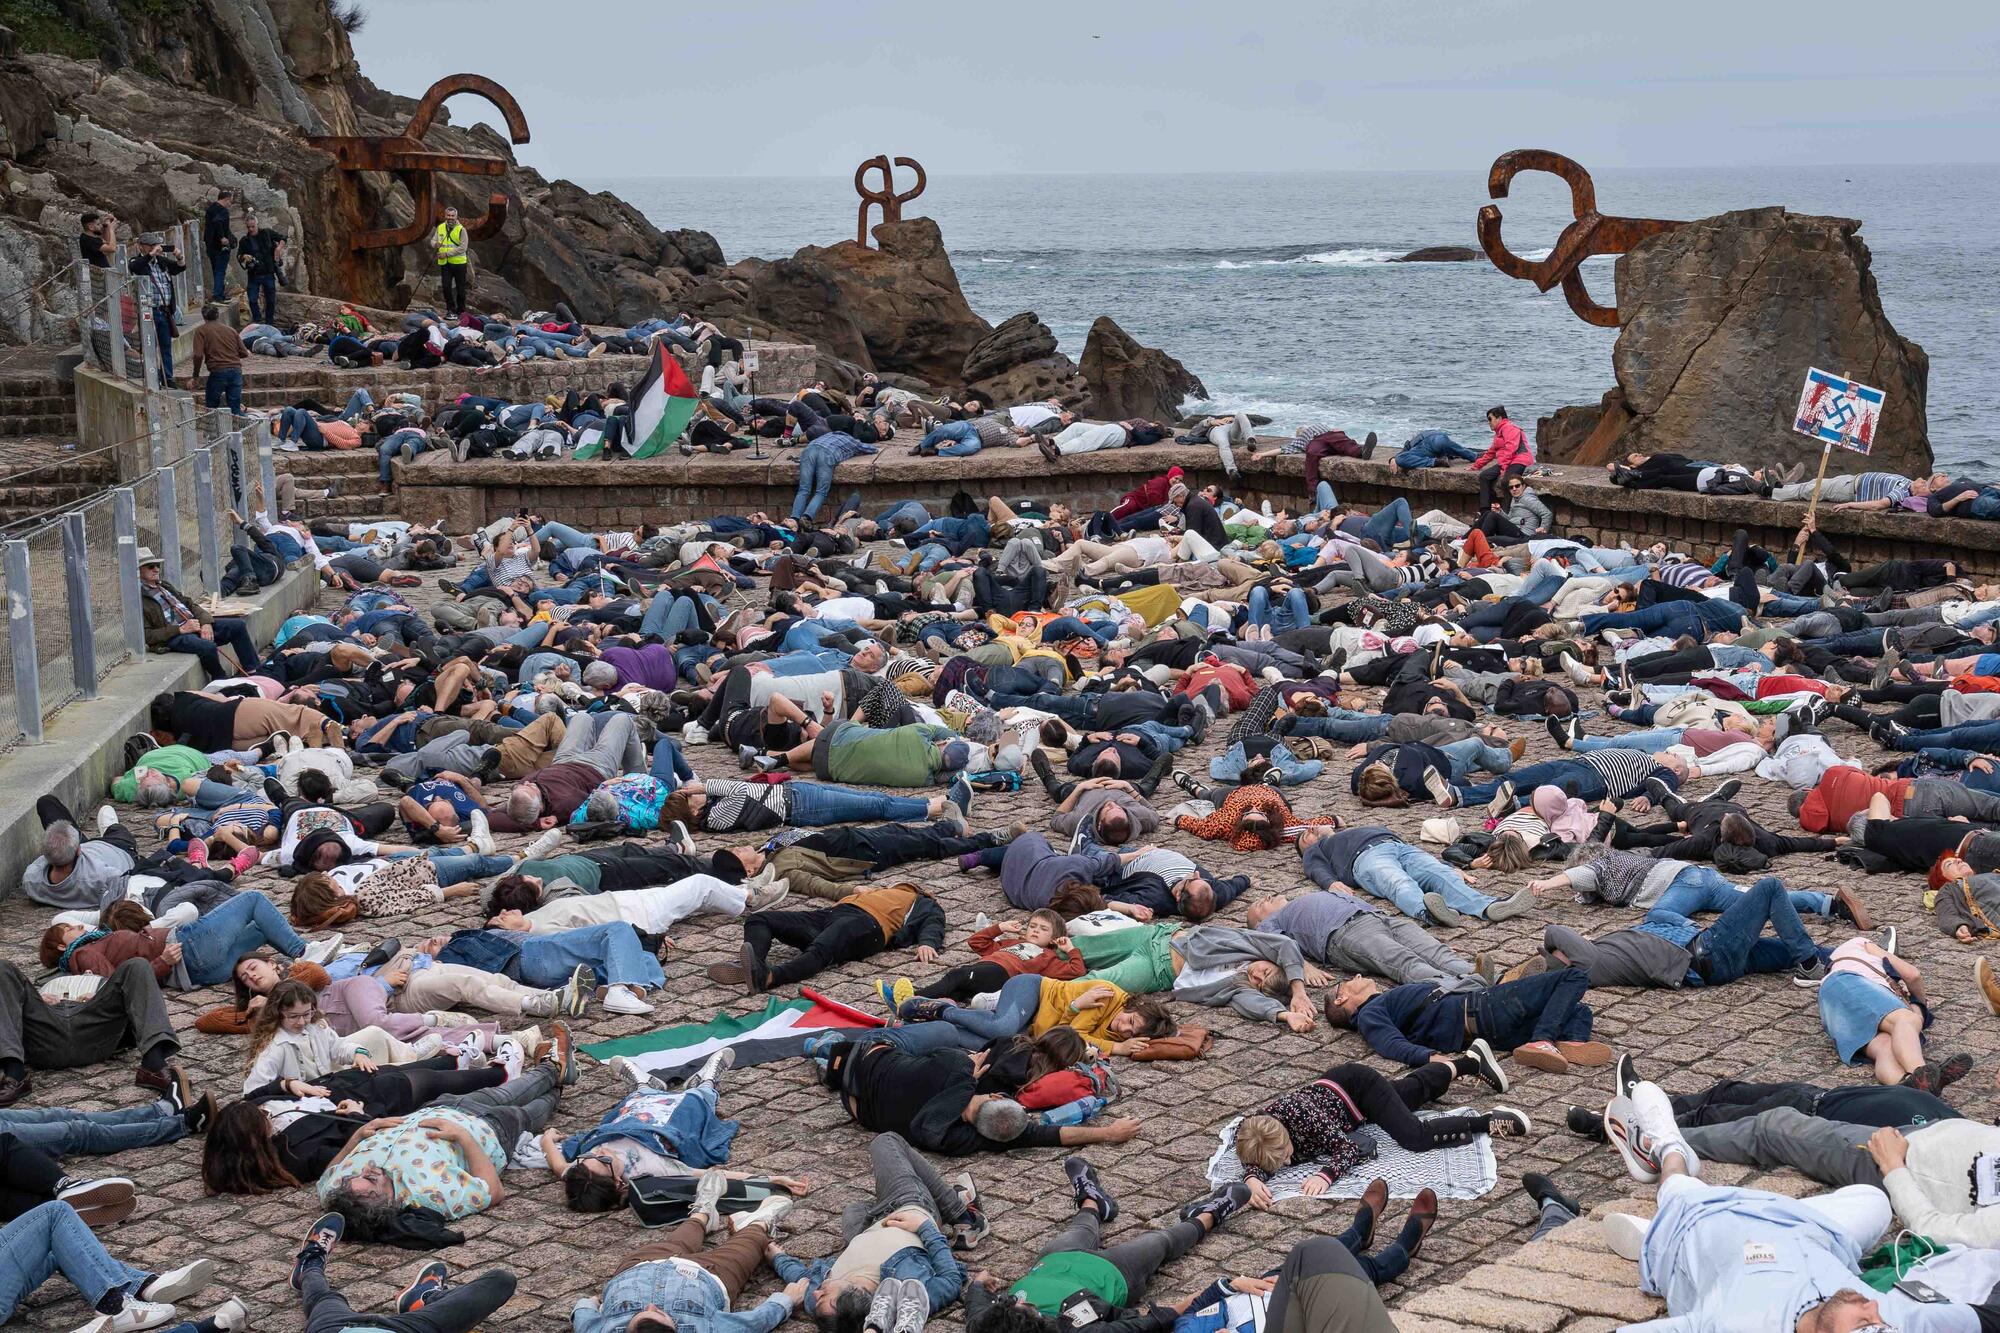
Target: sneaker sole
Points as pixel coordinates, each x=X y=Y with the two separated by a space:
x=1490 y=1069
x=1620 y=1127
x=1625 y=1235
x=197 y=1277
x=103 y=1203
x=1549 y=1062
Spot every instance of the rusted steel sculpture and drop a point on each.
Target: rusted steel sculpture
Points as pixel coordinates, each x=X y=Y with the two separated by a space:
x=1591 y=234
x=891 y=202
x=416 y=166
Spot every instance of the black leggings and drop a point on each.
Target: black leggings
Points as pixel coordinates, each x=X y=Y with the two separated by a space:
x=965 y=981
x=1492 y=477
x=1392 y=1105
x=459 y=1310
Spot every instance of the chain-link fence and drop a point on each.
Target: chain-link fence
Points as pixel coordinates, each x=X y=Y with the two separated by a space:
x=107 y=594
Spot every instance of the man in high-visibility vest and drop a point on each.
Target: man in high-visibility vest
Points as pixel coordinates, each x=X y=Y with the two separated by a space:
x=449 y=243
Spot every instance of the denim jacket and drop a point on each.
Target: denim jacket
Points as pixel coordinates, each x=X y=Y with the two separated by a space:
x=693 y=1296
x=692 y=1133
x=933 y=1265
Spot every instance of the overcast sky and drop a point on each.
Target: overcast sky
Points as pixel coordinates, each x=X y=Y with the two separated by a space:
x=776 y=87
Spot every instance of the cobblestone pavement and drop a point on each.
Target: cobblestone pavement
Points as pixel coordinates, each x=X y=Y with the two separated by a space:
x=1472 y=1273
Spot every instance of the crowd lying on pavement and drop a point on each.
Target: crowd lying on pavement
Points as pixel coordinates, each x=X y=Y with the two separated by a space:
x=866 y=678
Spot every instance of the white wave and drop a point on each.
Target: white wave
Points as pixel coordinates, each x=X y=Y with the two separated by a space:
x=1338 y=257
x=986 y=259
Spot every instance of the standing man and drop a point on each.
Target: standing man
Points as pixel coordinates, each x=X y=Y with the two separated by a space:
x=221 y=349
x=449 y=243
x=97 y=239
x=262 y=253
x=217 y=241
x=157 y=262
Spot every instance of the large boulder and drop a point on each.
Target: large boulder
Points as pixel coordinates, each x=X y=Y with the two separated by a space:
x=1128 y=380
x=1018 y=362
x=1721 y=320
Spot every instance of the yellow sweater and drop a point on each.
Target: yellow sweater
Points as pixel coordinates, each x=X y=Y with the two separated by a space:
x=1093 y=1024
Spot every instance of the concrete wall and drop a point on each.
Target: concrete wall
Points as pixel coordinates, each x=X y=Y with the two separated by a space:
x=109 y=411
x=1586 y=505
x=83 y=745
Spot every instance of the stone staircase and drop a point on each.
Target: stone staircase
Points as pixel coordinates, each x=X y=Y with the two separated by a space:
x=39 y=469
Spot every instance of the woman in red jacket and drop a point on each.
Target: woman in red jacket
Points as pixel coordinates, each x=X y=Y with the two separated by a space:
x=1508 y=456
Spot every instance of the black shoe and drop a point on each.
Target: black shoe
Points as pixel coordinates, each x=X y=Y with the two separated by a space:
x=1368 y=446
x=1543 y=1190
x=382 y=952
x=1658 y=792
x=1161 y=767
x=1198 y=720
x=1045 y=771
x=397 y=779
x=1625 y=1074
x=1953 y=1069
x=1586 y=1122
x=1222 y=1205
x=201 y=1115
x=1559 y=732
x=1084 y=1186
x=1486 y=1065
x=14 y=1089
x=275 y=793
x=489 y=765
x=1725 y=790
x=1335 y=663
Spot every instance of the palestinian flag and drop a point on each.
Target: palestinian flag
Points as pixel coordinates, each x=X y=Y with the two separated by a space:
x=777 y=1032
x=662 y=406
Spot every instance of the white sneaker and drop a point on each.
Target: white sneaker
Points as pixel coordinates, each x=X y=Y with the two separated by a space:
x=693 y=733
x=769 y=896
x=1626 y=1235
x=767 y=1215
x=322 y=952
x=470 y=1054
x=1656 y=1113
x=711 y=1070
x=707 y=1192
x=424 y=1047
x=106 y=818
x=480 y=834
x=683 y=841
x=542 y=846
x=135 y=1315
x=627 y=1068
x=179 y=1283
x=988 y=1000
x=624 y=1000
x=509 y=1056
x=230 y=1316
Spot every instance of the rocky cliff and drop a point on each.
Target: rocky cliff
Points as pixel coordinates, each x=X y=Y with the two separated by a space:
x=143 y=108
x=1720 y=320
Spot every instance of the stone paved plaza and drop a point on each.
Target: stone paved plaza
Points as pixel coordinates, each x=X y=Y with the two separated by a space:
x=1473 y=1273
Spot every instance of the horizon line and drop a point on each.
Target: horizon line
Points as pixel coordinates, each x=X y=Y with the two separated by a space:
x=1314 y=171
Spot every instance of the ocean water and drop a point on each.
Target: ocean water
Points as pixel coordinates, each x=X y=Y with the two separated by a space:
x=1277 y=291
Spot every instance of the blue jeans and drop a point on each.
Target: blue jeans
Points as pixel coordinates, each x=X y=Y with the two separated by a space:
x=1339 y=724
x=263 y=298
x=563 y=535
x=1391 y=525
x=1574 y=777
x=1170 y=737
x=1475 y=753
x=1652 y=742
x=1323 y=496
x=1291 y=613
x=930 y=555
x=455 y=865
x=1433 y=448
x=1545 y=1007
x=218 y=274
x=163 y=334
x=61 y=1132
x=670 y=766
x=1705 y=889
x=963 y=440
x=295 y=423
x=357 y=402
x=1735 y=941
x=1965 y=736
x=906 y=511
x=1545 y=579
x=1403 y=874
x=816 y=465
x=226 y=630
x=392 y=445
x=611 y=950
x=1069 y=627
x=244 y=924
x=817 y=803
x=671 y=613
x=49 y=1239
x=226 y=383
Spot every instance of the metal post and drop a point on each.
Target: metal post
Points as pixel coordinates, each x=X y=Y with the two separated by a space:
x=76 y=584
x=239 y=474
x=158 y=439
x=21 y=638
x=267 y=468
x=114 y=321
x=190 y=431
x=196 y=259
x=125 y=518
x=204 y=508
x=149 y=343
x=83 y=286
x=170 y=524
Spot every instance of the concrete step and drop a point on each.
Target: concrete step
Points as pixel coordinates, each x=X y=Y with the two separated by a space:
x=37 y=404
x=16 y=424
x=359 y=508
x=12 y=386
x=326 y=463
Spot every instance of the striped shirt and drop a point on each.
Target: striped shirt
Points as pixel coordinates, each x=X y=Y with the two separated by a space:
x=728 y=809
x=1683 y=573
x=1623 y=770
x=1881 y=486
x=504 y=569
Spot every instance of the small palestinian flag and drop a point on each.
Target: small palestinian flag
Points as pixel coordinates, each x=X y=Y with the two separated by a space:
x=777 y=1032
x=662 y=406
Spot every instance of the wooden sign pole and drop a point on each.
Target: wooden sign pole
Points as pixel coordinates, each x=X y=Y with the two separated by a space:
x=1812 y=506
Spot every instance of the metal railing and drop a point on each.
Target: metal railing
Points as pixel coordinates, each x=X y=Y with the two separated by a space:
x=71 y=579
x=114 y=319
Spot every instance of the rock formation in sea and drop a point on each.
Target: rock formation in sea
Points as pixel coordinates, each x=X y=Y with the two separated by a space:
x=1440 y=254
x=1719 y=322
x=143 y=110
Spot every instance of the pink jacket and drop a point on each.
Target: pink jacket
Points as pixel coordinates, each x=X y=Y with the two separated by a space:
x=1509 y=448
